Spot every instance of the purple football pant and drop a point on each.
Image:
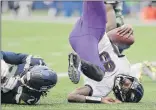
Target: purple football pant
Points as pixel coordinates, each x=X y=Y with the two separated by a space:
x=88 y=31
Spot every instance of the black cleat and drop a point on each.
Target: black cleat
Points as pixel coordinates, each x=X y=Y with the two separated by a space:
x=74 y=67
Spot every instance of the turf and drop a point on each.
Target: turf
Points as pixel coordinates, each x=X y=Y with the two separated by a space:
x=50 y=41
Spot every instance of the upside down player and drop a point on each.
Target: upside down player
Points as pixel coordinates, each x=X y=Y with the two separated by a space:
x=95 y=92
x=118 y=78
x=91 y=33
x=24 y=78
x=126 y=88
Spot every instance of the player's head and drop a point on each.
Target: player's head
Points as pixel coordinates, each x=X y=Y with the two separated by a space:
x=128 y=89
x=39 y=78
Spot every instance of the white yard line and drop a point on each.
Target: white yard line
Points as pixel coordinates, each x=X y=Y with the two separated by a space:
x=55 y=53
x=64 y=74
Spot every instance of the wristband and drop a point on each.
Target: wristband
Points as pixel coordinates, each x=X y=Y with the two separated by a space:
x=93 y=99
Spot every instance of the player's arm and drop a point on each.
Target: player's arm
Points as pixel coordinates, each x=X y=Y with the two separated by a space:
x=14 y=58
x=83 y=95
x=111 y=18
x=20 y=58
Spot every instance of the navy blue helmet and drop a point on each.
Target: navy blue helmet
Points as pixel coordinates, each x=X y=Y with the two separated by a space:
x=133 y=93
x=39 y=78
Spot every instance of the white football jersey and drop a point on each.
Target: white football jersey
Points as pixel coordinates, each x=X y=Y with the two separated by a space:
x=121 y=63
x=4 y=68
x=8 y=81
x=116 y=66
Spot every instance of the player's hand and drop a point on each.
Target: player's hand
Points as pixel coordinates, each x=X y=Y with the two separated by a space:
x=117 y=101
x=109 y=100
x=125 y=31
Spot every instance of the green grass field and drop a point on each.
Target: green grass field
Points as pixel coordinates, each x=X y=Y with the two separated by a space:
x=50 y=41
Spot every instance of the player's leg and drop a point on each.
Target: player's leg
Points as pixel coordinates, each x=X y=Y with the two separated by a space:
x=145 y=68
x=136 y=70
x=153 y=63
x=77 y=65
x=149 y=69
x=87 y=33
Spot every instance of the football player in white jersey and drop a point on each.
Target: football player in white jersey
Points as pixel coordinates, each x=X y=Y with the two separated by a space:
x=117 y=71
x=118 y=79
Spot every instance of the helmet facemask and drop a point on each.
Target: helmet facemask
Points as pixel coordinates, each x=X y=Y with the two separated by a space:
x=127 y=88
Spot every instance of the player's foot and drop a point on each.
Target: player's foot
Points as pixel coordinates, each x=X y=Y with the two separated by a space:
x=149 y=70
x=74 y=67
